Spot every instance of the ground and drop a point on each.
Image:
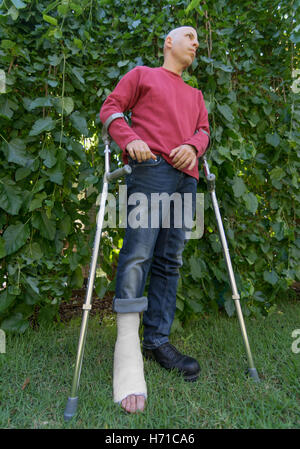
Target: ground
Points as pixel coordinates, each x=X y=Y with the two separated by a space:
x=72 y=308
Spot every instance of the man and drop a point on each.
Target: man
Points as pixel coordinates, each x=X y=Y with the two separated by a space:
x=169 y=132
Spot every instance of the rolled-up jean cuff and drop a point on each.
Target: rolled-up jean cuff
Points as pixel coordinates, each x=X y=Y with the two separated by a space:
x=129 y=305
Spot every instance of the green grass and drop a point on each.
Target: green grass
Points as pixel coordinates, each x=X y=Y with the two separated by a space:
x=223 y=397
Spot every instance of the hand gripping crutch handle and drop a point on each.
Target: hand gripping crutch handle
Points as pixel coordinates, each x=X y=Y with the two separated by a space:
x=119 y=172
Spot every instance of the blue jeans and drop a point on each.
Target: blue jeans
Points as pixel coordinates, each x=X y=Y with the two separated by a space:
x=156 y=246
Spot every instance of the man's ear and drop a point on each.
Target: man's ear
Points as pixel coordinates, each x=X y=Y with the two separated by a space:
x=169 y=42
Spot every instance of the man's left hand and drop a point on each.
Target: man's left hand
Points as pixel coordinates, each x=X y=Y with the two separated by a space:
x=184 y=156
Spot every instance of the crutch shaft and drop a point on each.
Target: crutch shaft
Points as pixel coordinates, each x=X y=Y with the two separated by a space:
x=89 y=293
x=235 y=295
x=73 y=399
x=72 y=402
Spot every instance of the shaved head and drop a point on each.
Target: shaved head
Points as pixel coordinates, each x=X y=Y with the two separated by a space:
x=180 y=48
x=176 y=33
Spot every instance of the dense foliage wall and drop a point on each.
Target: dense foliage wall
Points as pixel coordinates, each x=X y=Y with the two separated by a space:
x=58 y=62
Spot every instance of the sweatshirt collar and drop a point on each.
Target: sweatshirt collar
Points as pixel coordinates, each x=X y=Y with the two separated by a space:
x=171 y=73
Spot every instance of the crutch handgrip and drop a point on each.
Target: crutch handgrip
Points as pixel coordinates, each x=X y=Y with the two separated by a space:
x=119 y=172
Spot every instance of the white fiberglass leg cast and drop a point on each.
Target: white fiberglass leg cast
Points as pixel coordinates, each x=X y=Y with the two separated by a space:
x=128 y=361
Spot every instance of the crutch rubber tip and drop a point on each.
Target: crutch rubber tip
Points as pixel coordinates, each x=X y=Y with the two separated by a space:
x=253 y=373
x=71 y=408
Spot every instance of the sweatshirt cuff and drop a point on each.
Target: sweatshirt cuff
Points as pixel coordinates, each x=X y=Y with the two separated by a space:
x=122 y=134
x=200 y=141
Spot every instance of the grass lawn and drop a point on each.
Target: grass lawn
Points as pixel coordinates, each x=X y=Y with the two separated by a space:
x=37 y=371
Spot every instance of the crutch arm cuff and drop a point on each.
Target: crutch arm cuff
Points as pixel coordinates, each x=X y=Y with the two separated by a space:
x=111 y=118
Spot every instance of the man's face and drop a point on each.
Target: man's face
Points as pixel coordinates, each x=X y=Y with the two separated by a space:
x=184 y=45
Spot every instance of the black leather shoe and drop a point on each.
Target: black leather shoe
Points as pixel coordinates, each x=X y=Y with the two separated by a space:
x=170 y=358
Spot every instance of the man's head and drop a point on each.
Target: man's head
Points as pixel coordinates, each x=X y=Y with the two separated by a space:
x=180 y=46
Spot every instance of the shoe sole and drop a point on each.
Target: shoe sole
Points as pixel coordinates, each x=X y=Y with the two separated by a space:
x=186 y=377
x=191 y=378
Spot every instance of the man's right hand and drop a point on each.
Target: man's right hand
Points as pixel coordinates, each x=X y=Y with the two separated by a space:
x=138 y=149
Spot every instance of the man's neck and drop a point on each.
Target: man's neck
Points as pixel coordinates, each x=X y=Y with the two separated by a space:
x=173 y=67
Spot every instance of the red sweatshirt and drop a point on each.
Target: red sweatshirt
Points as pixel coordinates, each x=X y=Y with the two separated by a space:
x=166 y=113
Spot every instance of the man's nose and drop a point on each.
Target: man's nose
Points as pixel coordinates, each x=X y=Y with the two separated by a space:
x=196 y=44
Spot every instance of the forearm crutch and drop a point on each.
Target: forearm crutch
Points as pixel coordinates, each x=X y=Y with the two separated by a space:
x=71 y=406
x=210 y=177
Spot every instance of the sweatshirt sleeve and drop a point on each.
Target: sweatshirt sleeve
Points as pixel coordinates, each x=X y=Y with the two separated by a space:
x=122 y=99
x=201 y=139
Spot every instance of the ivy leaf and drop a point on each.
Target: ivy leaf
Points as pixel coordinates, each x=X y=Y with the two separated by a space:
x=79 y=122
x=15 y=236
x=63 y=8
x=15 y=323
x=50 y=19
x=195 y=306
x=295 y=35
x=273 y=139
x=19 y=4
x=278 y=228
x=32 y=252
x=7 y=109
x=41 y=125
x=79 y=74
x=65 y=225
x=55 y=60
x=78 y=149
x=101 y=284
x=48 y=156
x=259 y=296
x=226 y=112
x=239 y=187
x=7 y=44
x=37 y=202
x=271 y=277
x=225 y=68
x=229 y=307
x=277 y=174
x=78 y=43
x=123 y=63
x=22 y=173
x=31 y=297
x=77 y=278
x=251 y=202
x=40 y=102
x=10 y=198
x=113 y=73
x=56 y=173
x=13 y=12
x=225 y=152
x=34 y=283
x=16 y=152
x=65 y=103
x=198 y=267
x=192 y=5
x=6 y=300
x=46 y=226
